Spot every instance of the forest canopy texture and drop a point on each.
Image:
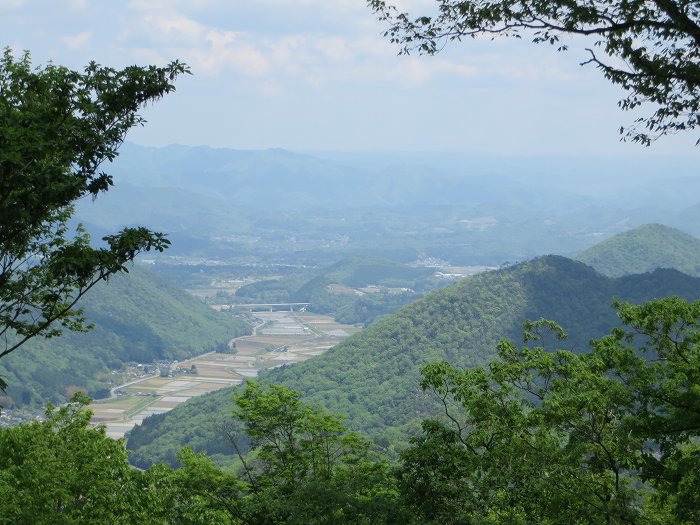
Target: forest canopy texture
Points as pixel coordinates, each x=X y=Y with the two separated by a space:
x=539 y=435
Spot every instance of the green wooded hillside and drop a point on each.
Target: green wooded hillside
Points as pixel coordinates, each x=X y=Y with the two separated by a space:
x=644 y=249
x=373 y=376
x=398 y=285
x=139 y=317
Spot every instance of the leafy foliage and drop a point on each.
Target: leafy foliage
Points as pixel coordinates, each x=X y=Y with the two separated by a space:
x=138 y=317
x=301 y=465
x=57 y=127
x=650 y=49
x=644 y=249
x=556 y=437
x=61 y=471
x=372 y=377
x=305 y=467
x=535 y=436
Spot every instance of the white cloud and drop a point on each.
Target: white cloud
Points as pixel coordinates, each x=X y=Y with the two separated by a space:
x=9 y=5
x=335 y=5
x=227 y=50
x=410 y=72
x=147 y=55
x=415 y=71
x=287 y=52
x=150 y=5
x=79 y=4
x=270 y=89
x=77 y=41
x=173 y=28
x=337 y=49
x=162 y=5
x=414 y=8
x=206 y=49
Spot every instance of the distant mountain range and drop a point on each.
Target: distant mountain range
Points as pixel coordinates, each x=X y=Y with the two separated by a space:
x=372 y=377
x=276 y=205
x=139 y=316
x=277 y=179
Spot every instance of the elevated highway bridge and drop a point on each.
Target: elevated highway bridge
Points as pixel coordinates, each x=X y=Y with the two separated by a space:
x=259 y=307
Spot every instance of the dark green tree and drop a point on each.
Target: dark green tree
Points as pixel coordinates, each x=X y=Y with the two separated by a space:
x=305 y=467
x=60 y=471
x=197 y=493
x=649 y=48
x=58 y=127
x=609 y=436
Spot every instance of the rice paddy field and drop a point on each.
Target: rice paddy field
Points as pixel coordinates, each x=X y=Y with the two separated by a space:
x=280 y=338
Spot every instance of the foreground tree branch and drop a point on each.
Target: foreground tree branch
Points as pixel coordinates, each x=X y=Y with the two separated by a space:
x=649 y=48
x=57 y=129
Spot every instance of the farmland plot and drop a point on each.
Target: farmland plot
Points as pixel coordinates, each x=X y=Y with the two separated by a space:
x=280 y=338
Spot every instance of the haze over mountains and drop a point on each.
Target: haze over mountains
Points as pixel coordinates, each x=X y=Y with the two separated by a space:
x=341 y=223
x=373 y=376
x=278 y=206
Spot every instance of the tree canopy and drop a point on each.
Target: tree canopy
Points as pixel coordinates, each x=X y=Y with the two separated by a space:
x=372 y=377
x=57 y=129
x=61 y=471
x=555 y=437
x=650 y=48
x=536 y=436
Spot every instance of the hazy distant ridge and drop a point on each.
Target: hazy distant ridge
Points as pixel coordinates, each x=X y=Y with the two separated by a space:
x=316 y=209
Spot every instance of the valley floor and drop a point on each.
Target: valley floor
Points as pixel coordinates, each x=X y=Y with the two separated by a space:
x=279 y=338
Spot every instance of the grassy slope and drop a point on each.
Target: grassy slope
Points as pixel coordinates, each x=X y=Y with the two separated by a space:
x=372 y=377
x=644 y=249
x=138 y=317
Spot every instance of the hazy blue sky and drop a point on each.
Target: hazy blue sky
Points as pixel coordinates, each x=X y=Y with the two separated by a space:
x=318 y=75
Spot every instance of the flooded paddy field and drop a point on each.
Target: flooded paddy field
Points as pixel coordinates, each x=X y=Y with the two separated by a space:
x=279 y=338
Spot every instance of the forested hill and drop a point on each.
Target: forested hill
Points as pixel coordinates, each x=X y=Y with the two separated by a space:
x=372 y=377
x=338 y=289
x=139 y=316
x=644 y=249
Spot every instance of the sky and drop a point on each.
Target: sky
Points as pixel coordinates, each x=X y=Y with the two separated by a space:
x=317 y=75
